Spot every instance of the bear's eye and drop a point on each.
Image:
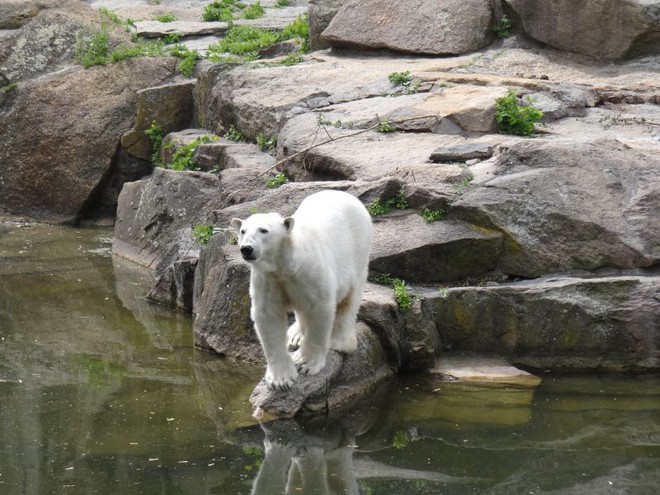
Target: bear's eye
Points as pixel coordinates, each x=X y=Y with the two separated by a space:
x=263 y=231
x=242 y=231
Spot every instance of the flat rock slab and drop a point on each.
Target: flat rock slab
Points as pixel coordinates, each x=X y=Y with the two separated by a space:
x=461 y=153
x=481 y=369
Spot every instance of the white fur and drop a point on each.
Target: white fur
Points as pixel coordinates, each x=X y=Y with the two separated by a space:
x=315 y=264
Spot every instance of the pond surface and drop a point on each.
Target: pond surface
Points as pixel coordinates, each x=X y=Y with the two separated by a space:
x=102 y=392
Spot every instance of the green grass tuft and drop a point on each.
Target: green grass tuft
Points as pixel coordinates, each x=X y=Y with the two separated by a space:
x=515 y=118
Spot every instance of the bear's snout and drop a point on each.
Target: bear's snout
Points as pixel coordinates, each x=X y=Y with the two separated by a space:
x=247 y=252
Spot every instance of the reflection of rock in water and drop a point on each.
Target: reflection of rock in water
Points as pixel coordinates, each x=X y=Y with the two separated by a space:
x=224 y=386
x=132 y=283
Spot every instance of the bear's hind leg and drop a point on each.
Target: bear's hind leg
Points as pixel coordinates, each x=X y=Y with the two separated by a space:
x=294 y=335
x=317 y=326
x=343 y=330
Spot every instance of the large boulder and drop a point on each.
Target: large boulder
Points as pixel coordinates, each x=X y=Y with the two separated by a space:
x=61 y=131
x=451 y=27
x=441 y=251
x=320 y=13
x=610 y=29
x=569 y=205
x=556 y=322
x=155 y=216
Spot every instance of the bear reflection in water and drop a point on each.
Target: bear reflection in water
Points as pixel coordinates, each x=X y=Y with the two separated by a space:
x=306 y=460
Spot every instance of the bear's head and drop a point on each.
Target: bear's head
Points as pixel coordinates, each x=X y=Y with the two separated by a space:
x=260 y=236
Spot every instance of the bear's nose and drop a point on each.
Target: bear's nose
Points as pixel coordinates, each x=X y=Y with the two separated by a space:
x=247 y=250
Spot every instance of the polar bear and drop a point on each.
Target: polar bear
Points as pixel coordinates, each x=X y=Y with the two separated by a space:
x=315 y=264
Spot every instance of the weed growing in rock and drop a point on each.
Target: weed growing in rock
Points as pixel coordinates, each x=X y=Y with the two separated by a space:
x=298 y=29
x=202 y=233
x=244 y=40
x=405 y=81
x=167 y=17
x=254 y=11
x=382 y=207
x=155 y=133
x=385 y=126
x=142 y=49
x=282 y=3
x=93 y=50
x=503 y=28
x=401 y=293
x=265 y=143
x=233 y=134
x=184 y=157
x=460 y=184
x=433 y=215
x=9 y=88
x=188 y=58
x=277 y=181
x=222 y=10
x=292 y=59
x=514 y=118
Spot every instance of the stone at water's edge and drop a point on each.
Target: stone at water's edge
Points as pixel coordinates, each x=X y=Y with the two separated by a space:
x=484 y=370
x=558 y=323
x=345 y=378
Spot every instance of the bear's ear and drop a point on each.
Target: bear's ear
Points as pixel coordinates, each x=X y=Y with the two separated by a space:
x=288 y=223
x=236 y=223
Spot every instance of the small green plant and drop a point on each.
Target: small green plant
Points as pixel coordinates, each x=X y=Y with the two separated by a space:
x=111 y=16
x=233 y=134
x=460 y=184
x=222 y=10
x=400 y=78
x=514 y=118
x=298 y=29
x=254 y=11
x=282 y=3
x=155 y=133
x=277 y=181
x=405 y=80
x=141 y=49
x=244 y=40
x=184 y=157
x=385 y=126
x=202 y=234
x=9 y=88
x=433 y=215
x=188 y=58
x=401 y=293
x=93 y=49
x=265 y=143
x=166 y=17
x=382 y=207
x=400 y=440
x=503 y=28
x=115 y=19
x=292 y=59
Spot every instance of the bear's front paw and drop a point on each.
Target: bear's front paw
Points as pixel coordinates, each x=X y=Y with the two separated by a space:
x=281 y=377
x=309 y=366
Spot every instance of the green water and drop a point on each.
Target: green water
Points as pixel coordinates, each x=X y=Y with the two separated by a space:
x=102 y=392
